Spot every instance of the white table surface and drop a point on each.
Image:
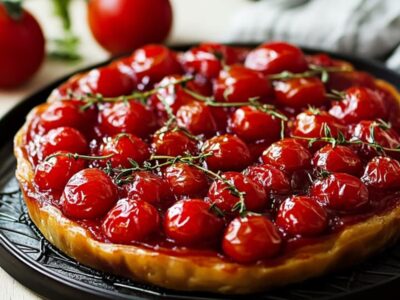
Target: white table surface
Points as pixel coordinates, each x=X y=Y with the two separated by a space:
x=194 y=21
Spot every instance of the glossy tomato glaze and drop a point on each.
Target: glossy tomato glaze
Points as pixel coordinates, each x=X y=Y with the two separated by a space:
x=295 y=166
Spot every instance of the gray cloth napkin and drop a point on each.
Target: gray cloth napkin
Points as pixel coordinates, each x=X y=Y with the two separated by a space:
x=367 y=28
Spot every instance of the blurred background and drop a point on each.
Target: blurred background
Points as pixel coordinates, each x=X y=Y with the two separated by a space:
x=368 y=28
x=65 y=41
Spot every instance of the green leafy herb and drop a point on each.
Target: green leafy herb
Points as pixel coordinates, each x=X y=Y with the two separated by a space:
x=65 y=48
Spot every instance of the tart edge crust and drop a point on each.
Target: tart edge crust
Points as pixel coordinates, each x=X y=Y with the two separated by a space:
x=204 y=273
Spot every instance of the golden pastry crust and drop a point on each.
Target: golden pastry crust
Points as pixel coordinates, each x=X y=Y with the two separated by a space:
x=205 y=273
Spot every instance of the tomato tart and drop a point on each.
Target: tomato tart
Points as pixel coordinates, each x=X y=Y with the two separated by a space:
x=220 y=169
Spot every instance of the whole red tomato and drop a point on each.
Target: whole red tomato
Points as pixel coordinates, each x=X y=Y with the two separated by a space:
x=120 y=26
x=21 y=47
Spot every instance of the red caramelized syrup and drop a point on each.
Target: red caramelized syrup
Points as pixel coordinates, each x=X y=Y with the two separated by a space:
x=245 y=155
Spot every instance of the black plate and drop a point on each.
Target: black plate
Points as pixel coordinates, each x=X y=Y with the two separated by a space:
x=29 y=258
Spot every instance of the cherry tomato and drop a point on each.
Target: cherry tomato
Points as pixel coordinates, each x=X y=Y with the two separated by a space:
x=170 y=93
x=251 y=124
x=219 y=194
x=302 y=215
x=186 y=180
x=288 y=155
x=146 y=186
x=252 y=238
x=272 y=179
x=197 y=118
x=121 y=26
x=64 y=114
x=239 y=84
x=206 y=59
x=130 y=221
x=375 y=133
x=382 y=173
x=343 y=80
x=228 y=153
x=359 y=103
x=298 y=93
x=89 y=194
x=22 y=47
x=311 y=124
x=62 y=139
x=106 y=81
x=173 y=143
x=152 y=63
x=123 y=148
x=132 y=117
x=276 y=57
x=191 y=221
x=53 y=174
x=341 y=192
x=322 y=60
x=316 y=124
x=337 y=159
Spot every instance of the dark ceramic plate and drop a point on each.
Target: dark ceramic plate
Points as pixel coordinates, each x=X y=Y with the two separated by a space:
x=30 y=259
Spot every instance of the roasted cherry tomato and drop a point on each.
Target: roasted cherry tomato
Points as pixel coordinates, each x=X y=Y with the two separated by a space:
x=122 y=148
x=228 y=152
x=106 y=81
x=373 y=135
x=272 y=179
x=302 y=215
x=192 y=221
x=89 y=194
x=64 y=114
x=131 y=221
x=146 y=186
x=239 y=84
x=341 y=192
x=252 y=238
x=173 y=143
x=343 y=80
x=170 y=93
x=382 y=173
x=251 y=124
x=121 y=26
x=62 y=139
x=316 y=124
x=276 y=57
x=298 y=93
x=53 y=174
x=288 y=155
x=131 y=117
x=359 y=103
x=207 y=59
x=337 y=159
x=255 y=198
x=152 y=63
x=197 y=118
x=186 y=180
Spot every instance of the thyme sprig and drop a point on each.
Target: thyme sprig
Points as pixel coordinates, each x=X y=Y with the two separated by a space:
x=253 y=102
x=77 y=156
x=156 y=162
x=336 y=95
x=341 y=139
x=92 y=99
x=314 y=70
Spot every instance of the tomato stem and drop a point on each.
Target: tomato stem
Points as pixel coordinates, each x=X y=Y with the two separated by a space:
x=13 y=8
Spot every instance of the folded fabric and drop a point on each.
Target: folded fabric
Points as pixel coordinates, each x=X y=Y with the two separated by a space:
x=367 y=28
